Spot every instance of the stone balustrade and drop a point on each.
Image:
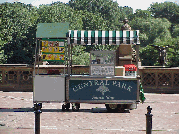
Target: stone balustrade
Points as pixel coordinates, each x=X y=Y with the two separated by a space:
x=20 y=77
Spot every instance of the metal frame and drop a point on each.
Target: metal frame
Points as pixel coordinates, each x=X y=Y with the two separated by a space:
x=38 y=45
x=37 y=52
x=68 y=64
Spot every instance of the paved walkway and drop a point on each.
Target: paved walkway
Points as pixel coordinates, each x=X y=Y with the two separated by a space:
x=91 y=118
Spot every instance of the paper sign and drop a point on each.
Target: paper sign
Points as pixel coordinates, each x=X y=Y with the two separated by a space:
x=61 y=43
x=52 y=50
x=50 y=43
x=44 y=57
x=61 y=56
x=49 y=57
x=44 y=49
x=56 y=57
x=61 y=49
x=52 y=57
x=44 y=43
x=55 y=50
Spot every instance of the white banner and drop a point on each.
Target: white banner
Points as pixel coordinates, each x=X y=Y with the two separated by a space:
x=102 y=70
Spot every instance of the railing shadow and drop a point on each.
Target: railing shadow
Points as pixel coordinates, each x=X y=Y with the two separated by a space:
x=92 y=110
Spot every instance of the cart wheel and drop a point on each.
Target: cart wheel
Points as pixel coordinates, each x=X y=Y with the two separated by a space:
x=111 y=108
x=76 y=107
x=120 y=108
x=67 y=106
x=107 y=107
x=63 y=107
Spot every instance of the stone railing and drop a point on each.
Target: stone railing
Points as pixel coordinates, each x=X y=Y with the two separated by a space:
x=160 y=80
x=19 y=77
x=14 y=77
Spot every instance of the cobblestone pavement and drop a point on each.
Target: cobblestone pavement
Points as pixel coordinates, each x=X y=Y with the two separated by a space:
x=91 y=118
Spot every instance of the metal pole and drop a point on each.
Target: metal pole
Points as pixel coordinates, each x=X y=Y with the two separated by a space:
x=38 y=57
x=138 y=77
x=71 y=59
x=65 y=58
x=137 y=58
x=37 y=111
x=35 y=58
x=149 y=121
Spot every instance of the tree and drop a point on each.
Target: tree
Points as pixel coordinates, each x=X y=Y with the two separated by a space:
x=92 y=21
x=172 y=49
x=144 y=14
x=168 y=10
x=148 y=56
x=16 y=20
x=126 y=12
x=108 y=9
x=151 y=30
x=175 y=31
x=59 y=12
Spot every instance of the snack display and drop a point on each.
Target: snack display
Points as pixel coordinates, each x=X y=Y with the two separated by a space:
x=52 y=50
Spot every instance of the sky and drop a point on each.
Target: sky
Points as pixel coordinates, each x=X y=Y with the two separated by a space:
x=135 y=4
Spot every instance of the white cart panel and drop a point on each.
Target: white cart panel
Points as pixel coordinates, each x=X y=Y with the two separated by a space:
x=49 y=88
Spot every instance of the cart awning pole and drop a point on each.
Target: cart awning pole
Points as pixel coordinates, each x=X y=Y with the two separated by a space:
x=68 y=59
x=38 y=57
x=137 y=58
x=35 y=57
x=65 y=59
x=71 y=60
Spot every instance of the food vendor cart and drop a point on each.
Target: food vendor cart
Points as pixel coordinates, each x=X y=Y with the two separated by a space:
x=101 y=85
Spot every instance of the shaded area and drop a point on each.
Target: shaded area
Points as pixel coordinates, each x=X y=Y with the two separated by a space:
x=93 y=110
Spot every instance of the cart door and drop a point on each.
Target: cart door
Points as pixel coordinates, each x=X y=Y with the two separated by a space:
x=49 y=88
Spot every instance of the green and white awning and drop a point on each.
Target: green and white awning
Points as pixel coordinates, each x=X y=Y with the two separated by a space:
x=103 y=37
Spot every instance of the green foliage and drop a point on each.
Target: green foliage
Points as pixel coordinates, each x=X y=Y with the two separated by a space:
x=168 y=10
x=107 y=8
x=80 y=57
x=158 y=25
x=175 y=32
x=107 y=11
x=59 y=12
x=148 y=56
x=105 y=47
x=91 y=21
x=142 y=97
x=151 y=30
x=17 y=38
x=145 y=14
x=172 y=51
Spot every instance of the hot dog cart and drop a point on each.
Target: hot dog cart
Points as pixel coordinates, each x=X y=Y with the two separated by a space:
x=101 y=86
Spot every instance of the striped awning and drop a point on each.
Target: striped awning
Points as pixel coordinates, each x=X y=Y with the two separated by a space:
x=103 y=37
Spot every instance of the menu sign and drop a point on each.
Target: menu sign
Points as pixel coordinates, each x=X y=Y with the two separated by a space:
x=102 y=70
x=52 y=50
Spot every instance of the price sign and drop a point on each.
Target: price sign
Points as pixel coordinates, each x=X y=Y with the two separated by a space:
x=52 y=50
x=102 y=70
